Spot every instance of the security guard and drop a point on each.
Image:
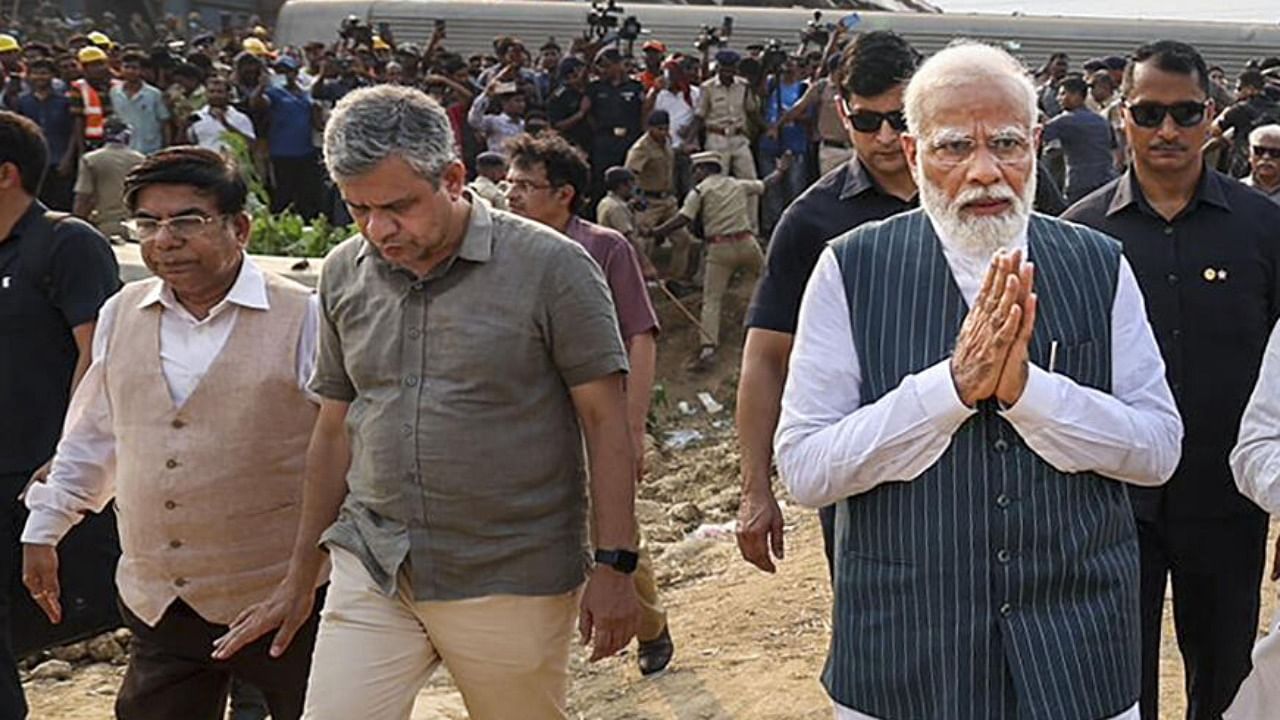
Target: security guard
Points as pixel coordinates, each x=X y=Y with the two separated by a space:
x=721 y=203
x=616 y=105
x=653 y=162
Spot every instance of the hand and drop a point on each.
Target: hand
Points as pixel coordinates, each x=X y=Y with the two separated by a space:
x=66 y=169
x=785 y=162
x=772 y=132
x=40 y=575
x=760 y=529
x=988 y=331
x=1013 y=378
x=609 y=613
x=584 y=106
x=288 y=607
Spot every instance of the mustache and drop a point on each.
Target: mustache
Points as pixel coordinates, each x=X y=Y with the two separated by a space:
x=974 y=195
x=1167 y=146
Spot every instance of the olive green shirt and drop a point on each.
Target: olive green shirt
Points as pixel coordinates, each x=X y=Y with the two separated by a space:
x=466 y=455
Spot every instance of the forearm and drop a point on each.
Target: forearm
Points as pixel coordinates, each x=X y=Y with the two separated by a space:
x=611 y=464
x=758 y=407
x=83 y=206
x=324 y=488
x=642 y=356
x=671 y=226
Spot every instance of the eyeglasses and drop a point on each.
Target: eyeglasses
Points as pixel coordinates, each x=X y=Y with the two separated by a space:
x=1150 y=115
x=869 y=121
x=525 y=186
x=1266 y=152
x=1007 y=150
x=183 y=227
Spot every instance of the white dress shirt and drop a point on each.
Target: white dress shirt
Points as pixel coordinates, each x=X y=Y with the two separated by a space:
x=830 y=446
x=680 y=112
x=82 y=478
x=207 y=132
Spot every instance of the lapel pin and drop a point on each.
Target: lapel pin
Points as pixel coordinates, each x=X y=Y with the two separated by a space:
x=1210 y=274
x=1222 y=274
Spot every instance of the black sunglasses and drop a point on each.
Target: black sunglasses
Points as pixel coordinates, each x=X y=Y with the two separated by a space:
x=1149 y=115
x=1266 y=152
x=869 y=121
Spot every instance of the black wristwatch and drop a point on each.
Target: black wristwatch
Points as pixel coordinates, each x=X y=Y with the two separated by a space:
x=624 y=561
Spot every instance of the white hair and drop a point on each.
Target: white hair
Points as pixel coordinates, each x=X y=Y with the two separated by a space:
x=1265 y=132
x=963 y=62
x=372 y=124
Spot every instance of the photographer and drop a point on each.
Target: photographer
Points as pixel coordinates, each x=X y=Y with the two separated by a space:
x=785 y=134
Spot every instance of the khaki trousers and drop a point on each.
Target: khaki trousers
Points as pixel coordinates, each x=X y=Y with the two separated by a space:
x=682 y=241
x=831 y=157
x=653 y=618
x=508 y=654
x=723 y=259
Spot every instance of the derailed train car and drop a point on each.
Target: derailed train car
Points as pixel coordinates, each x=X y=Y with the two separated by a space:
x=472 y=24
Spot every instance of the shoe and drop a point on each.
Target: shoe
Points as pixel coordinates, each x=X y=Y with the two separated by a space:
x=654 y=655
x=703 y=361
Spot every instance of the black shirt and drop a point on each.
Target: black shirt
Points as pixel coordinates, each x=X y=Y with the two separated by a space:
x=616 y=106
x=838 y=202
x=36 y=317
x=1209 y=278
x=562 y=105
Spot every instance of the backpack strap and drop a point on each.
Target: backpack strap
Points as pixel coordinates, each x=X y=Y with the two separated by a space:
x=38 y=250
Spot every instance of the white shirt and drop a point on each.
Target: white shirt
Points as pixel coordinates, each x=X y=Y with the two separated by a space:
x=82 y=478
x=1255 y=461
x=830 y=446
x=681 y=112
x=208 y=132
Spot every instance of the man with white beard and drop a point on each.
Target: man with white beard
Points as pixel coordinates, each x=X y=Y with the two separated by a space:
x=976 y=419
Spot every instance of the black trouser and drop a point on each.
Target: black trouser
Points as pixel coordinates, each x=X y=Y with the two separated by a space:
x=1216 y=567
x=299 y=183
x=171 y=675
x=13 y=705
x=827 y=517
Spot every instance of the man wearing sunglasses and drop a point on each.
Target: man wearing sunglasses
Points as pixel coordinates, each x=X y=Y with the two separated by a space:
x=1264 y=160
x=873 y=185
x=976 y=420
x=194 y=415
x=1206 y=253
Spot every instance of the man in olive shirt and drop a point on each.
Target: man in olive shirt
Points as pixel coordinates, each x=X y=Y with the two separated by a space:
x=446 y=479
x=653 y=161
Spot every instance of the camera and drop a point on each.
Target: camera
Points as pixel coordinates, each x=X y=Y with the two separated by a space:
x=604 y=18
x=773 y=56
x=356 y=32
x=816 y=32
x=713 y=37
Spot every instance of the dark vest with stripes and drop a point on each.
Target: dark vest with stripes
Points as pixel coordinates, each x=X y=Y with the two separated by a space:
x=992 y=585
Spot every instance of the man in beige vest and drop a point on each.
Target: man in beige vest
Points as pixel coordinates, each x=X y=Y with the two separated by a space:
x=193 y=416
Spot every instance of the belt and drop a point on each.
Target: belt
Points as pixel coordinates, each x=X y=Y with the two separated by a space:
x=724 y=131
x=656 y=195
x=842 y=144
x=730 y=238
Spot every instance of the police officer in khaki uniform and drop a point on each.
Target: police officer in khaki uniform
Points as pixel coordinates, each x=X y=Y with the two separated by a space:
x=615 y=213
x=722 y=110
x=721 y=203
x=653 y=162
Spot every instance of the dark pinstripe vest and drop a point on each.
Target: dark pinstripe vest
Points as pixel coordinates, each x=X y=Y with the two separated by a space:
x=991 y=586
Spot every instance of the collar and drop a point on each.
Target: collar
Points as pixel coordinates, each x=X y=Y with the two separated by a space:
x=1129 y=192
x=248 y=291
x=1253 y=184
x=856 y=179
x=34 y=211
x=477 y=243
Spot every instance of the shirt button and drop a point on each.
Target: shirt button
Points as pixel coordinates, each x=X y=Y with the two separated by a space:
x=175 y=544
x=406 y=430
x=411 y=380
x=177 y=424
x=1177 y=333
x=414 y=333
x=1003 y=501
x=1001 y=445
x=180 y=582
x=410 y=477
x=169 y=504
x=171 y=463
x=1003 y=556
x=1168 y=229
x=1172 y=278
x=1006 y=610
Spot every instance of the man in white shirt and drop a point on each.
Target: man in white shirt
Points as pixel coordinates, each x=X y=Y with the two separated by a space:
x=194 y=417
x=976 y=427
x=219 y=118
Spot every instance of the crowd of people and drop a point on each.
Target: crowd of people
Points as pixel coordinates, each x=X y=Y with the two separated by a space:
x=1006 y=338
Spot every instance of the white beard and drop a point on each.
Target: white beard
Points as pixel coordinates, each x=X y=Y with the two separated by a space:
x=979 y=236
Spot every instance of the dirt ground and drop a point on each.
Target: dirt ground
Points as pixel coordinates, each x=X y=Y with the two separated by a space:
x=750 y=646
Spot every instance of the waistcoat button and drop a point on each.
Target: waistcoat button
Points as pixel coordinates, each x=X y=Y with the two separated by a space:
x=180 y=582
x=175 y=544
x=171 y=463
x=1006 y=610
x=1001 y=445
x=1003 y=500
x=1003 y=556
x=178 y=424
x=169 y=504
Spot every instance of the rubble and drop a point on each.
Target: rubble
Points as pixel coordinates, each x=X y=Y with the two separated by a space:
x=52 y=670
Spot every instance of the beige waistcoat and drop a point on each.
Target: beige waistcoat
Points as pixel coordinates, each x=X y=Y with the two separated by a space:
x=208 y=495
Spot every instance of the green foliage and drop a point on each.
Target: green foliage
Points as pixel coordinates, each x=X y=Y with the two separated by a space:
x=285 y=233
